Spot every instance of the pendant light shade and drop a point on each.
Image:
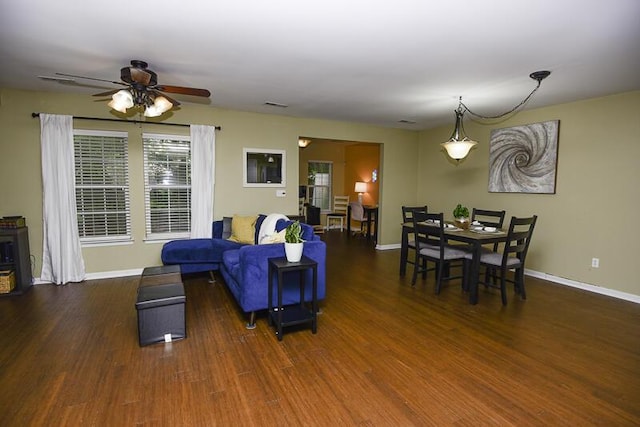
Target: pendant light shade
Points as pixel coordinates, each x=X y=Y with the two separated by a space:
x=459 y=145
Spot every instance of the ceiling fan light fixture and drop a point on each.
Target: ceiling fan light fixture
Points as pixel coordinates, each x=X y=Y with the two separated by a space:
x=121 y=100
x=162 y=104
x=159 y=106
x=152 y=111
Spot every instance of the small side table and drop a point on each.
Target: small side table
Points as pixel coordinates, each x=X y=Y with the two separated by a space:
x=290 y=315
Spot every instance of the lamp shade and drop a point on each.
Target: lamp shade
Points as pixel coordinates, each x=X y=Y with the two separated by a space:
x=458 y=150
x=121 y=100
x=458 y=145
x=160 y=105
x=361 y=187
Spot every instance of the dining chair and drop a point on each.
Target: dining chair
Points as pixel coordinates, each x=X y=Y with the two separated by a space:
x=512 y=257
x=432 y=246
x=407 y=216
x=339 y=213
x=489 y=218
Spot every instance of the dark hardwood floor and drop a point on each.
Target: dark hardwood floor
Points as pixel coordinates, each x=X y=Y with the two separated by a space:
x=385 y=354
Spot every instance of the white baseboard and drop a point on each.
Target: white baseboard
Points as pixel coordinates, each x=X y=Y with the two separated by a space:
x=585 y=286
x=102 y=275
x=556 y=279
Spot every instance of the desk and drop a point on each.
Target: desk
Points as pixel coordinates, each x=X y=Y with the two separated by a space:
x=294 y=314
x=371 y=212
x=476 y=240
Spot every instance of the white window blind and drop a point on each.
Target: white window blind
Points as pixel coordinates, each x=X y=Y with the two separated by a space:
x=102 y=185
x=167 y=179
x=319 y=180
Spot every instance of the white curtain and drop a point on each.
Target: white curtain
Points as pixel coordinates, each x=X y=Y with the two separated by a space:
x=203 y=156
x=62 y=260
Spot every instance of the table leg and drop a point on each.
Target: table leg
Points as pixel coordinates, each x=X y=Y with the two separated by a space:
x=368 y=224
x=279 y=326
x=349 y=221
x=270 y=297
x=404 y=250
x=314 y=300
x=475 y=271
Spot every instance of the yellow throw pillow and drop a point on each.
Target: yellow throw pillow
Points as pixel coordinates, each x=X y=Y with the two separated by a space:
x=243 y=229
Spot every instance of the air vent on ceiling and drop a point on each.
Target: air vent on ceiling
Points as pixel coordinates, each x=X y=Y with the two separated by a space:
x=275 y=104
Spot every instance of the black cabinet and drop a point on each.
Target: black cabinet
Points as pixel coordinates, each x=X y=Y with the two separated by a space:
x=15 y=256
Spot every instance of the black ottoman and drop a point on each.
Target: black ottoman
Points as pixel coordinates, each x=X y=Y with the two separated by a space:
x=160 y=275
x=161 y=315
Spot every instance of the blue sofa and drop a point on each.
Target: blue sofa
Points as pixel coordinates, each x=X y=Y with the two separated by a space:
x=245 y=267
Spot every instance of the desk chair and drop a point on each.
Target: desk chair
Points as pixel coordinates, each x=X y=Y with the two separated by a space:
x=512 y=257
x=357 y=216
x=340 y=204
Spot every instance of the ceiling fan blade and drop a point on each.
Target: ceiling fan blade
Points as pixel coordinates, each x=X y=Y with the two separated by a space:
x=91 y=78
x=183 y=90
x=107 y=93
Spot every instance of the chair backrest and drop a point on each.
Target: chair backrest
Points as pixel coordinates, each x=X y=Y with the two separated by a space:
x=488 y=218
x=357 y=211
x=518 y=238
x=313 y=215
x=407 y=212
x=340 y=204
x=429 y=228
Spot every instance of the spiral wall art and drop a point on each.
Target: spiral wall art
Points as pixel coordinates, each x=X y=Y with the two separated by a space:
x=523 y=159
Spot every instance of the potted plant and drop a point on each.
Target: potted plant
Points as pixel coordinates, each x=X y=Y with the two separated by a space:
x=293 y=243
x=461 y=216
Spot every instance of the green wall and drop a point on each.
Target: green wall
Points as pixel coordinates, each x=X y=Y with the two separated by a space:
x=20 y=170
x=592 y=214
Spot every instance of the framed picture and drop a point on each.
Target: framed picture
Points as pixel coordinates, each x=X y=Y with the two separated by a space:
x=523 y=159
x=263 y=167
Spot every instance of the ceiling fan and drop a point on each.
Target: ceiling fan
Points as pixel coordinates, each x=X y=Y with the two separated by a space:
x=142 y=90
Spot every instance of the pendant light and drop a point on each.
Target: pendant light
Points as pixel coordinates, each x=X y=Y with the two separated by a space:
x=459 y=145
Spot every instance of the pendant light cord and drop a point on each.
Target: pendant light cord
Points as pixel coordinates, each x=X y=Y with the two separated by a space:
x=534 y=76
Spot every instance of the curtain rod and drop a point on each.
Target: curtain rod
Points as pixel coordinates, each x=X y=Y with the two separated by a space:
x=135 y=122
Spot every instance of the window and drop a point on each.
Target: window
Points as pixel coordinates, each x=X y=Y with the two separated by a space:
x=167 y=182
x=319 y=181
x=102 y=186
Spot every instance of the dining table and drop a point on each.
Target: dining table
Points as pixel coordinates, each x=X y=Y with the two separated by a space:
x=474 y=238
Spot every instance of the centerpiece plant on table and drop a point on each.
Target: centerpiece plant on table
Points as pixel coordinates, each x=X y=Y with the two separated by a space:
x=461 y=216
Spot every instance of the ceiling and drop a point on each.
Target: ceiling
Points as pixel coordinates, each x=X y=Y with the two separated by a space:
x=369 y=61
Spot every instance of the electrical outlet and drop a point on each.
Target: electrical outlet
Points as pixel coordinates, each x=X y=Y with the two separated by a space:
x=595 y=262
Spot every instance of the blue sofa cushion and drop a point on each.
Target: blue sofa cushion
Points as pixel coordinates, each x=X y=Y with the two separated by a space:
x=232 y=260
x=196 y=250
